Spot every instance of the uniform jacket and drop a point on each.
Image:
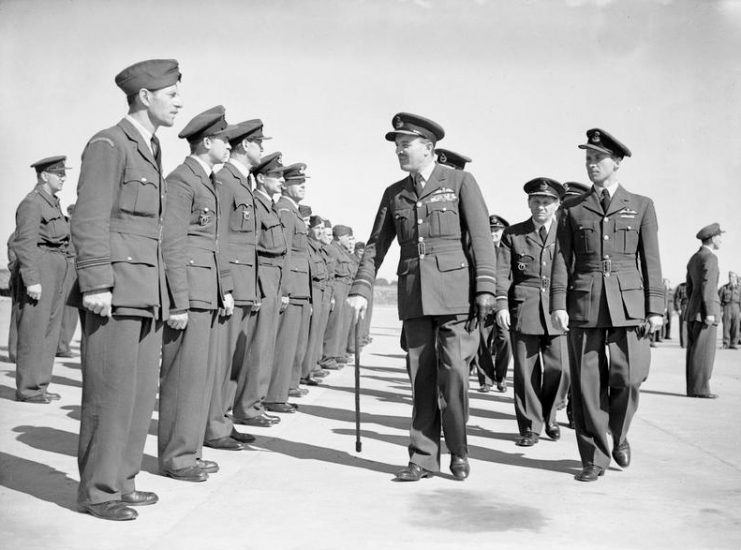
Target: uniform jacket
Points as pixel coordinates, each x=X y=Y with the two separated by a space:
x=271 y=248
x=523 y=277
x=298 y=282
x=239 y=234
x=680 y=297
x=446 y=250
x=197 y=274
x=40 y=224
x=729 y=295
x=607 y=271
x=341 y=264
x=702 y=282
x=318 y=265
x=117 y=226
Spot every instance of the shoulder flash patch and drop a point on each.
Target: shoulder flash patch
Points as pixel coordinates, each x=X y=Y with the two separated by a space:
x=103 y=139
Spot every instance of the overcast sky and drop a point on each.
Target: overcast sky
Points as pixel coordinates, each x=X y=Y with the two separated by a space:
x=514 y=84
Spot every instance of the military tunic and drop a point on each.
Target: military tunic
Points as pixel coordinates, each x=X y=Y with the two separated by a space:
x=116 y=231
x=730 y=303
x=40 y=244
x=198 y=278
x=321 y=296
x=446 y=258
x=524 y=263
x=607 y=276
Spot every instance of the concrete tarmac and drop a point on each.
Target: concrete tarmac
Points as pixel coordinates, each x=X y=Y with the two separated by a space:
x=303 y=486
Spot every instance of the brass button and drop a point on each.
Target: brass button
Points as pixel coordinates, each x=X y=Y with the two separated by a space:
x=606 y=256
x=420 y=239
x=192 y=261
x=419 y=204
x=128 y=258
x=144 y=180
x=445 y=209
x=419 y=222
x=606 y=220
x=606 y=237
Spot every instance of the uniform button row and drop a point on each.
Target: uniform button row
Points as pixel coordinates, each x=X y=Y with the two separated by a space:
x=606 y=237
x=419 y=222
x=420 y=239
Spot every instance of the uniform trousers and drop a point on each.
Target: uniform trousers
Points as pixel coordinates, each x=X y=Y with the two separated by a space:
x=701 y=343
x=39 y=323
x=120 y=365
x=682 y=330
x=317 y=324
x=232 y=350
x=292 y=333
x=439 y=351
x=335 y=337
x=254 y=379
x=492 y=367
x=13 y=328
x=731 y=316
x=189 y=359
x=541 y=364
x=70 y=314
x=605 y=390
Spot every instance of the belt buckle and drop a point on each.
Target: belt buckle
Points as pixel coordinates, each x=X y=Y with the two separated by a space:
x=421 y=249
x=606 y=267
x=545 y=283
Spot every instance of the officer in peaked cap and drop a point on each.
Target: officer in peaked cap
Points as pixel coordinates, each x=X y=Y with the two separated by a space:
x=607 y=290
x=524 y=261
x=115 y=232
x=272 y=248
x=451 y=158
x=703 y=312
x=40 y=243
x=574 y=189
x=446 y=287
x=200 y=284
x=246 y=140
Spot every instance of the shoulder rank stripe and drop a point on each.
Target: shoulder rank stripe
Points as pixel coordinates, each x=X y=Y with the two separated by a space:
x=103 y=139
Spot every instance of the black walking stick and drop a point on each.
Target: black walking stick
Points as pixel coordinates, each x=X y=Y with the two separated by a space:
x=358 y=443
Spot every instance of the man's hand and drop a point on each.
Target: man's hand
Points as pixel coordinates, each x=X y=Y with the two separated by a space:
x=654 y=322
x=178 y=321
x=284 y=300
x=560 y=319
x=358 y=305
x=34 y=291
x=482 y=308
x=709 y=320
x=503 y=319
x=228 y=305
x=98 y=301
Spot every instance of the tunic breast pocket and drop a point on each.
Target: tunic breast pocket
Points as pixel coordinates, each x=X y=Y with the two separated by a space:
x=203 y=214
x=443 y=219
x=626 y=235
x=54 y=223
x=587 y=238
x=272 y=235
x=242 y=217
x=404 y=223
x=139 y=194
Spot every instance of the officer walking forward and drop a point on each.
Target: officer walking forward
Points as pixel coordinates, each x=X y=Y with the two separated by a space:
x=445 y=287
x=606 y=288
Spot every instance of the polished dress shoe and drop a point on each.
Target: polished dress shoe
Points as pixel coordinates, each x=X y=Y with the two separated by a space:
x=502 y=386
x=280 y=407
x=320 y=373
x=40 y=399
x=242 y=438
x=189 y=473
x=273 y=419
x=460 y=467
x=528 y=439
x=114 y=510
x=309 y=381
x=590 y=472
x=621 y=454
x=139 y=498
x=51 y=396
x=553 y=431
x=208 y=466
x=342 y=360
x=413 y=472
x=297 y=392
x=225 y=444
x=66 y=354
x=262 y=421
x=484 y=388
x=705 y=395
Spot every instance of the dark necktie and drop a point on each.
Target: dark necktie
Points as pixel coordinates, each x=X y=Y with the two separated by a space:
x=605 y=200
x=156 y=151
x=419 y=184
x=543 y=233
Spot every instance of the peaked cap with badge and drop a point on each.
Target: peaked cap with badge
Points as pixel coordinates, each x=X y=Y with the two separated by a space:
x=408 y=124
x=295 y=173
x=544 y=187
x=574 y=188
x=270 y=165
x=452 y=159
x=56 y=163
x=249 y=129
x=600 y=140
x=497 y=222
x=211 y=122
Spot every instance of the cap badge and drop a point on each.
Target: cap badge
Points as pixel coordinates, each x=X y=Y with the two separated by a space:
x=543 y=186
x=398 y=123
x=280 y=159
x=595 y=137
x=442 y=157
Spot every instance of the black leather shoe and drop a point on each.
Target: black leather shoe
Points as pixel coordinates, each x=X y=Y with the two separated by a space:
x=139 y=498
x=40 y=399
x=502 y=386
x=261 y=421
x=413 y=472
x=225 y=444
x=590 y=472
x=705 y=395
x=330 y=365
x=280 y=407
x=208 y=466
x=242 y=438
x=553 y=431
x=51 y=396
x=66 y=354
x=190 y=473
x=460 y=467
x=272 y=418
x=114 y=510
x=528 y=439
x=320 y=373
x=309 y=381
x=621 y=454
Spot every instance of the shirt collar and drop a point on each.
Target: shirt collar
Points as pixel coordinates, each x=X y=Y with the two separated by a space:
x=206 y=167
x=612 y=188
x=426 y=172
x=241 y=168
x=264 y=194
x=146 y=134
x=547 y=225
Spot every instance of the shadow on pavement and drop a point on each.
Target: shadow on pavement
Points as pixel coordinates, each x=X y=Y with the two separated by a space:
x=379 y=394
x=670 y=394
x=48 y=439
x=401 y=356
x=63 y=380
x=344 y=415
x=38 y=480
x=75 y=413
x=6 y=392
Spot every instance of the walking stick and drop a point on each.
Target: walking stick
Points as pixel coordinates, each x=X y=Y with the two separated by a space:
x=358 y=443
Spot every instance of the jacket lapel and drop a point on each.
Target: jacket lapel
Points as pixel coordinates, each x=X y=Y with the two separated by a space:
x=619 y=201
x=134 y=135
x=198 y=171
x=437 y=178
x=591 y=202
